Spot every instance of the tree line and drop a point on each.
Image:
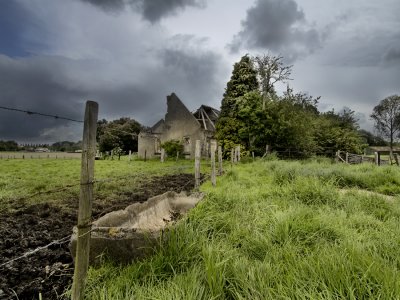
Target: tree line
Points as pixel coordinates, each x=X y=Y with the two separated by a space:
x=253 y=115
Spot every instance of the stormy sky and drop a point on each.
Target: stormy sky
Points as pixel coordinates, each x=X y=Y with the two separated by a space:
x=128 y=55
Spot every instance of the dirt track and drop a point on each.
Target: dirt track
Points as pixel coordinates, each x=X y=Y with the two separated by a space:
x=49 y=271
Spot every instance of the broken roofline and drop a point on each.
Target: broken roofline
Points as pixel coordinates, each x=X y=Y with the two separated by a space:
x=204 y=115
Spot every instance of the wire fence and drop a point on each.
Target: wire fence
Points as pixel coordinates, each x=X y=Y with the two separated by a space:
x=67 y=238
x=354 y=159
x=29 y=112
x=73 y=186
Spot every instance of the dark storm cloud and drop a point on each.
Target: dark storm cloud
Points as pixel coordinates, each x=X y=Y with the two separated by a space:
x=279 y=26
x=193 y=68
x=152 y=11
x=34 y=85
x=60 y=86
x=392 y=56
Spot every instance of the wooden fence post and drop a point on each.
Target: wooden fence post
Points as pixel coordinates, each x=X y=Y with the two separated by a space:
x=376 y=158
x=213 y=176
x=252 y=154
x=238 y=153
x=85 y=200
x=197 y=156
x=145 y=155
x=130 y=155
x=162 y=158
x=220 y=170
x=347 y=157
x=232 y=157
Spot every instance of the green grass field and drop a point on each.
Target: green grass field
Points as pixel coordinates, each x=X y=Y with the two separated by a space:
x=269 y=230
x=22 y=178
x=275 y=230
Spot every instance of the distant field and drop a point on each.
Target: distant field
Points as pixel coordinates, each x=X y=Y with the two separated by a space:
x=38 y=155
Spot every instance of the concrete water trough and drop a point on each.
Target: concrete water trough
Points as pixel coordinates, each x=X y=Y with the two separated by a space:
x=134 y=232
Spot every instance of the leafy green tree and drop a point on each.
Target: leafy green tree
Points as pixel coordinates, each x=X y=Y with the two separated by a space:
x=120 y=133
x=338 y=131
x=172 y=148
x=254 y=117
x=371 y=139
x=387 y=118
x=270 y=70
x=8 y=146
x=290 y=127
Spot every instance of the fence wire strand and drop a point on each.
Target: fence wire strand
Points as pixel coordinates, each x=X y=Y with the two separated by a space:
x=31 y=252
x=29 y=112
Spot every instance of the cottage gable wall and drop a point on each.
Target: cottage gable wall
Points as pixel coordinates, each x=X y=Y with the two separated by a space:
x=179 y=121
x=179 y=124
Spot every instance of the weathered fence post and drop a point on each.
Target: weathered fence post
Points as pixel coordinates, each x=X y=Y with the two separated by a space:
x=347 y=157
x=177 y=155
x=162 y=156
x=145 y=155
x=85 y=200
x=252 y=154
x=235 y=155
x=130 y=155
x=220 y=170
x=213 y=176
x=197 y=156
x=232 y=157
x=238 y=153
x=376 y=158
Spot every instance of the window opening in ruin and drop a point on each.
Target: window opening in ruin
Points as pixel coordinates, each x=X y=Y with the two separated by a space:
x=157 y=146
x=186 y=144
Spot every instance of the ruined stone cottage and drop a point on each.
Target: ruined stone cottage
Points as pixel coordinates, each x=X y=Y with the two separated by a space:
x=181 y=125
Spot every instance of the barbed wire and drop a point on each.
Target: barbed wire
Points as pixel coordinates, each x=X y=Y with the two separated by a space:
x=29 y=112
x=67 y=238
x=31 y=252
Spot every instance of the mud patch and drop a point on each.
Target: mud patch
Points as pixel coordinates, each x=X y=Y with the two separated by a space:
x=50 y=271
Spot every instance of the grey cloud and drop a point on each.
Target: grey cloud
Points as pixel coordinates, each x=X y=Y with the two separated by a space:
x=198 y=70
x=392 y=55
x=55 y=85
x=108 y=5
x=151 y=10
x=279 y=26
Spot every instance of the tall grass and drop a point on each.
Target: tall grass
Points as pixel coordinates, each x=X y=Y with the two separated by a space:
x=274 y=230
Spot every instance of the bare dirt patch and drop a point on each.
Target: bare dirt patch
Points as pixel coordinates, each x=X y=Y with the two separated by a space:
x=49 y=271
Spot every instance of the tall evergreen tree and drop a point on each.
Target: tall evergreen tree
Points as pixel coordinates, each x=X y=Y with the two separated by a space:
x=243 y=81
